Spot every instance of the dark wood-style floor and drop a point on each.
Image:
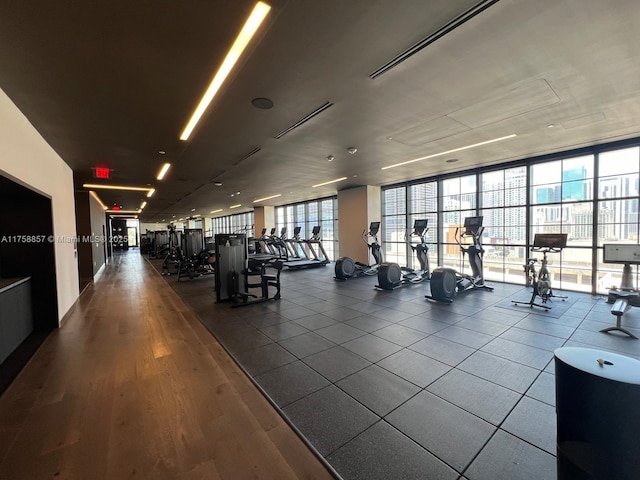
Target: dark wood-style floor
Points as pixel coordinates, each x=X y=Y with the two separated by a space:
x=134 y=387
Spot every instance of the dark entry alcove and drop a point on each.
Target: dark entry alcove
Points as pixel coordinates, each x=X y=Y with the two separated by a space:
x=27 y=250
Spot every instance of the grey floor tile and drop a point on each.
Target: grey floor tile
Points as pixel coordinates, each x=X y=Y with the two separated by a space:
x=265 y=358
x=415 y=367
x=483 y=326
x=533 y=422
x=424 y=324
x=306 y=344
x=524 y=354
x=391 y=315
x=378 y=389
x=340 y=333
x=485 y=399
x=329 y=418
x=544 y=389
x=508 y=458
x=290 y=382
x=371 y=347
x=443 y=350
x=464 y=336
x=365 y=307
x=400 y=334
x=499 y=370
x=313 y=322
x=321 y=306
x=383 y=453
x=447 y=431
x=533 y=339
x=266 y=320
x=336 y=363
x=342 y=314
x=368 y=323
x=284 y=330
x=296 y=312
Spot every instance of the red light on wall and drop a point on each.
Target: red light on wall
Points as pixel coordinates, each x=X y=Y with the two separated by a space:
x=102 y=172
x=116 y=207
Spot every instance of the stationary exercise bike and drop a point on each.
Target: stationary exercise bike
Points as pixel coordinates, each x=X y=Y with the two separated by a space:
x=446 y=282
x=541 y=280
x=625 y=296
x=346 y=268
x=392 y=275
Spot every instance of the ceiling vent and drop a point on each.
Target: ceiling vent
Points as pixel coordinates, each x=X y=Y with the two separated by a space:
x=247 y=155
x=442 y=31
x=304 y=119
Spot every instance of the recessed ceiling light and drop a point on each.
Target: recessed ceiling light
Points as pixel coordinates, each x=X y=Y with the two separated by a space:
x=162 y=152
x=267 y=198
x=329 y=182
x=193 y=209
x=250 y=27
x=466 y=147
x=163 y=171
x=217 y=184
x=263 y=103
x=452 y=160
x=331 y=158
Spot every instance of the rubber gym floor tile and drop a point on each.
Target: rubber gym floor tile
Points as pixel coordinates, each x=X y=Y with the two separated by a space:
x=313 y=322
x=483 y=326
x=290 y=382
x=534 y=422
x=447 y=431
x=464 y=336
x=266 y=320
x=378 y=389
x=501 y=371
x=383 y=453
x=443 y=350
x=391 y=315
x=265 y=358
x=284 y=330
x=424 y=324
x=243 y=340
x=365 y=307
x=524 y=354
x=336 y=363
x=508 y=458
x=547 y=328
x=500 y=315
x=414 y=367
x=306 y=344
x=368 y=323
x=329 y=418
x=296 y=312
x=371 y=347
x=342 y=314
x=544 y=389
x=533 y=339
x=321 y=306
x=400 y=335
x=484 y=399
x=340 y=333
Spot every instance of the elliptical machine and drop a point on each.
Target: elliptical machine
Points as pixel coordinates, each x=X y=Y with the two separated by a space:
x=446 y=282
x=346 y=268
x=392 y=275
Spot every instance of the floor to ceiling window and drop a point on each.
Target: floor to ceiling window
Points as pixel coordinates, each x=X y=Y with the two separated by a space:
x=591 y=195
x=321 y=213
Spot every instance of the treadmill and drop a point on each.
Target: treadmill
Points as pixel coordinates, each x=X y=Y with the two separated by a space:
x=314 y=244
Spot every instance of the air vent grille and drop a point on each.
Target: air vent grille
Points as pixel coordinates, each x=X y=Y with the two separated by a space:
x=453 y=24
x=247 y=155
x=304 y=119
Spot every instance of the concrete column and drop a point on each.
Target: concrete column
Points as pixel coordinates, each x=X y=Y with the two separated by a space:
x=357 y=208
x=264 y=217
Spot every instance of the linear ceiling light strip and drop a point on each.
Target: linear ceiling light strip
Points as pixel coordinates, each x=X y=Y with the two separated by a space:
x=249 y=29
x=466 y=147
x=453 y=24
x=317 y=111
x=117 y=187
x=329 y=182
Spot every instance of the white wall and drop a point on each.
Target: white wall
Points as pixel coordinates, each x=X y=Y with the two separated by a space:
x=28 y=160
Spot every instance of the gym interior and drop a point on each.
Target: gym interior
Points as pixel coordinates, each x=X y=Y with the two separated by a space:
x=434 y=274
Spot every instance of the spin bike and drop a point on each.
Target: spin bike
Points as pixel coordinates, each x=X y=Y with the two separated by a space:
x=346 y=268
x=541 y=280
x=392 y=275
x=446 y=282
